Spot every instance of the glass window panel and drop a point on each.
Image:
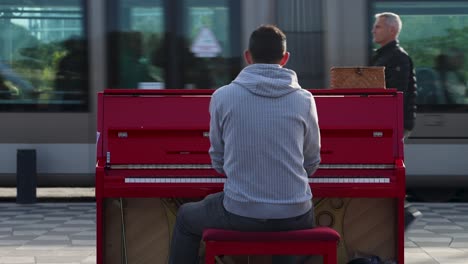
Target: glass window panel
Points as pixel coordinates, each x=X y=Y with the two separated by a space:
x=136 y=53
x=207 y=36
x=435 y=34
x=172 y=44
x=43 y=56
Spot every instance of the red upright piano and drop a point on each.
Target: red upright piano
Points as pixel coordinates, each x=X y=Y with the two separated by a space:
x=152 y=155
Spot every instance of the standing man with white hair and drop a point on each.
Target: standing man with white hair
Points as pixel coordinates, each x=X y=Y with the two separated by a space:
x=399 y=74
x=399 y=71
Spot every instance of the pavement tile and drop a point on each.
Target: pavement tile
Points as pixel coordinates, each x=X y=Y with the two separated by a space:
x=460 y=245
x=419 y=258
x=455 y=235
x=48 y=238
x=17 y=260
x=60 y=259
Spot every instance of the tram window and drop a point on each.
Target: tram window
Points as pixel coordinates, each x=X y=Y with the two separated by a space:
x=207 y=36
x=136 y=41
x=43 y=55
x=435 y=34
x=172 y=44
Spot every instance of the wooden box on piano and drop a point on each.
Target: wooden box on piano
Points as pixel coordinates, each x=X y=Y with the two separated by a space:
x=152 y=156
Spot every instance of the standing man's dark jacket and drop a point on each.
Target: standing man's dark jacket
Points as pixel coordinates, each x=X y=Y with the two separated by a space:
x=399 y=74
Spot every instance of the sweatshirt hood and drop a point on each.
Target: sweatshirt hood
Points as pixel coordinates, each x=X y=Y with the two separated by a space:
x=268 y=80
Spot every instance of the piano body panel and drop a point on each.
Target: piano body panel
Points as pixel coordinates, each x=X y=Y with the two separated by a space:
x=357 y=150
x=133 y=136
x=367 y=225
x=171 y=146
x=201 y=190
x=185 y=173
x=146 y=109
x=183 y=122
x=191 y=191
x=100 y=123
x=99 y=186
x=150 y=138
x=146 y=222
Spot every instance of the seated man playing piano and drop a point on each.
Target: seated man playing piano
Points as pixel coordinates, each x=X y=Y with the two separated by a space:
x=265 y=139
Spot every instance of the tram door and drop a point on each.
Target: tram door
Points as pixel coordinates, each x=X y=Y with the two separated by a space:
x=435 y=35
x=184 y=44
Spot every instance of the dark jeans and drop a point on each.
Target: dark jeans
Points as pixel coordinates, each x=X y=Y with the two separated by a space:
x=411 y=213
x=193 y=218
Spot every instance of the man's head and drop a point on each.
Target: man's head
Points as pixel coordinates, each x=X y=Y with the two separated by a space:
x=386 y=28
x=267 y=44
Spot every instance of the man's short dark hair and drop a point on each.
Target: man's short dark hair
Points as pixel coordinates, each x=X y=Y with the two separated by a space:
x=267 y=44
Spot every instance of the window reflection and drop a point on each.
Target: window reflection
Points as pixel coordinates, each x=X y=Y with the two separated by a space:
x=172 y=44
x=138 y=35
x=207 y=32
x=42 y=57
x=451 y=76
x=70 y=81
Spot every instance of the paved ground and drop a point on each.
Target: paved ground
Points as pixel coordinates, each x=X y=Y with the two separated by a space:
x=53 y=231
x=47 y=233
x=441 y=236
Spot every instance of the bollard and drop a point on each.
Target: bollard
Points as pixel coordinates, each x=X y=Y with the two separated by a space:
x=26 y=181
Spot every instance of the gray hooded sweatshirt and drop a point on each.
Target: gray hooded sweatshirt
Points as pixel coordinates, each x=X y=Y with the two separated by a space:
x=265 y=138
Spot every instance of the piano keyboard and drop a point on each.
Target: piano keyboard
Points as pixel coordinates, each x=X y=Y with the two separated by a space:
x=222 y=180
x=208 y=166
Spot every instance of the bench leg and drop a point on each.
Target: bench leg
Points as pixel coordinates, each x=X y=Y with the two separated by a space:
x=209 y=255
x=330 y=259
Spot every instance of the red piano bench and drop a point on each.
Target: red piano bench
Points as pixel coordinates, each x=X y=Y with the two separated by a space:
x=316 y=241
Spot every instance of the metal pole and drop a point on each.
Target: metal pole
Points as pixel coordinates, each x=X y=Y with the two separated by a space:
x=26 y=181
